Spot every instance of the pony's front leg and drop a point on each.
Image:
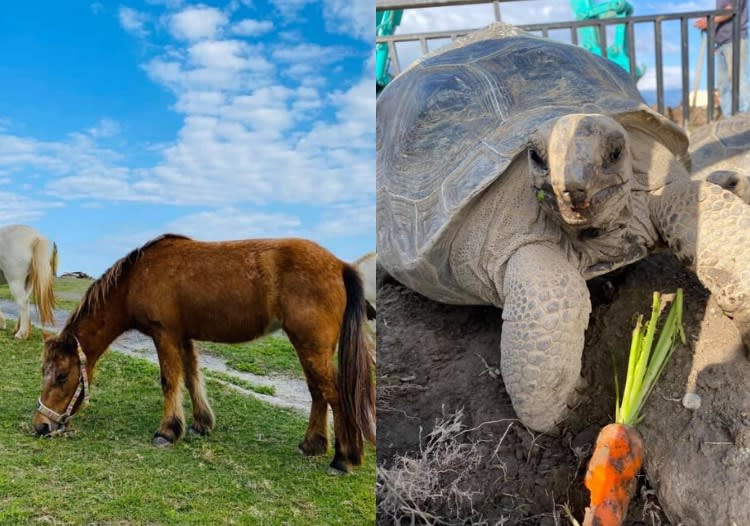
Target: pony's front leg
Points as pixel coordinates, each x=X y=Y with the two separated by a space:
x=2 y=320
x=173 y=420
x=21 y=295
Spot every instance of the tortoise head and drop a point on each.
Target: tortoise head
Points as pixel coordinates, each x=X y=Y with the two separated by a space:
x=581 y=170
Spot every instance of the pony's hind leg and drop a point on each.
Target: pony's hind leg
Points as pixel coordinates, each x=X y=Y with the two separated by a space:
x=203 y=416
x=21 y=294
x=172 y=424
x=319 y=375
x=317 y=362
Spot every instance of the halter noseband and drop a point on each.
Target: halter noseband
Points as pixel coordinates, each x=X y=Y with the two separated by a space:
x=83 y=388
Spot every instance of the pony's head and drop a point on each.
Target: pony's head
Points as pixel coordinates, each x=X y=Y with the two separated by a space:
x=65 y=384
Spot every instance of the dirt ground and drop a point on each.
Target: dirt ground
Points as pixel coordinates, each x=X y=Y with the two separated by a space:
x=439 y=364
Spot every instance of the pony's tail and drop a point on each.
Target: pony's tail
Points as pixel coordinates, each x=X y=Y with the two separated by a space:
x=42 y=274
x=53 y=260
x=355 y=385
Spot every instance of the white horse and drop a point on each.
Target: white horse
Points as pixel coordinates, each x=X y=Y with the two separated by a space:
x=29 y=265
x=366 y=267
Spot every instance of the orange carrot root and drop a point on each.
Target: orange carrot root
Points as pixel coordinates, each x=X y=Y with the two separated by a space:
x=610 y=477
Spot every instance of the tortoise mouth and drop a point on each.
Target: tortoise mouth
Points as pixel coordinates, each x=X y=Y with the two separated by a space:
x=591 y=211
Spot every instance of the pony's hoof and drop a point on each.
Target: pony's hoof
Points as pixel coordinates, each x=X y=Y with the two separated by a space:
x=193 y=431
x=336 y=472
x=338 y=467
x=21 y=336
x=160 y=441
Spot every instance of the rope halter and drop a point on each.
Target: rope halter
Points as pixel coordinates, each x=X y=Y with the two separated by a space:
x=82 y=389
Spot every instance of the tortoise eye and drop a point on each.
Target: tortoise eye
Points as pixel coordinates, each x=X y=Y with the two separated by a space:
x=536 y=158
x=615 y=154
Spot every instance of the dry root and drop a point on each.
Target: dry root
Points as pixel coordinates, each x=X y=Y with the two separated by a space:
x=431 y=486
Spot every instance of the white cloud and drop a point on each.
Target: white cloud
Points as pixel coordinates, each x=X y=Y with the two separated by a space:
x=105 y=128
x=132 y=21
x=15 y=208
x=195 y=23
x=232 y=223
x=251 y=28
x=354 y=17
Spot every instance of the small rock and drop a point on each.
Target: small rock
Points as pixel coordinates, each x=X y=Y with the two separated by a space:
x=691 y=401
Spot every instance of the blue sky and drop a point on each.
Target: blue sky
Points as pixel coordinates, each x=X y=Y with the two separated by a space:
x=539 y=11
x=219 y=120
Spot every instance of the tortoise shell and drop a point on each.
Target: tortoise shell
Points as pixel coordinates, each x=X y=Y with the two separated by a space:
x=450 y=125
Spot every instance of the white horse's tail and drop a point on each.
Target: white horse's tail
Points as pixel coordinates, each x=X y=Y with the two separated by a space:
x=42 y=276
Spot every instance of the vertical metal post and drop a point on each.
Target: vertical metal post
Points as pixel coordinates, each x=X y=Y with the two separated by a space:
x=659 y=66
x=631 y=50
x=394 y=58
x=685 y=65
x=496 y=7
x=423 y=45
x=710 y=30
x=574 y=36
x=602 y=38
x=736 y=56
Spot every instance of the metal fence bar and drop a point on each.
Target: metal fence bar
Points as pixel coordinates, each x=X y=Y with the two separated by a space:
x=383 y=5
x=735 y=76
x=710 y=68
x=423 y=46
x=602 y=28
x=631 y=51
x=430 y=35
x=572 y=26
x=394 y=58
x=659 y=66
x=685 y=64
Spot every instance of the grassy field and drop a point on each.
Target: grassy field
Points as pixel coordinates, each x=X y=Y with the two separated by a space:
x=106 y=472
x=272 y=354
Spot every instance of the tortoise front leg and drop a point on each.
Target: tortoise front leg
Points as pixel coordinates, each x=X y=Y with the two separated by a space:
x=708 y=230
x=545 y=316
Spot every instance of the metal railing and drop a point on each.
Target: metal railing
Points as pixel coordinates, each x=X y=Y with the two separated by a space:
x=656 y=21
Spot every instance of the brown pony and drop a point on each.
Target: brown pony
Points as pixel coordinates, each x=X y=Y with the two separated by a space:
x=177 y=290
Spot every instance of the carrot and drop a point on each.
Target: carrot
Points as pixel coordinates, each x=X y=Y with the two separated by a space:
x=618 y=452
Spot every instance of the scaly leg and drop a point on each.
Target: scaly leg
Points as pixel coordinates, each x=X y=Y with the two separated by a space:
x=544 y=318
x=708 y=230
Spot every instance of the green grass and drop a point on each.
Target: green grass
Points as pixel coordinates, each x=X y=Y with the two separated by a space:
x=262 y=389
x=106 y=472
x=271 y=354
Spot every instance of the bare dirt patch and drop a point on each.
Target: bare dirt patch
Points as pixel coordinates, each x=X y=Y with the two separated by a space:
x=436 y=360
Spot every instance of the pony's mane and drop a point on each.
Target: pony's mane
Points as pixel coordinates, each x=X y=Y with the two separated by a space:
x=99 y=290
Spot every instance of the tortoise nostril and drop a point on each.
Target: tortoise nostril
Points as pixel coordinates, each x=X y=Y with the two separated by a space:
x=576 y=196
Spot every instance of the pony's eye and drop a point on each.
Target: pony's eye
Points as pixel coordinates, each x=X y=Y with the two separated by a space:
x=60 y=378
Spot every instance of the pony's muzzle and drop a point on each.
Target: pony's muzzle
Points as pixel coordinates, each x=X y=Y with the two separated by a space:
x=42 y=429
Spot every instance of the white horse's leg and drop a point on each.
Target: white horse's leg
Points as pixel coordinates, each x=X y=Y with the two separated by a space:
x=21 y=295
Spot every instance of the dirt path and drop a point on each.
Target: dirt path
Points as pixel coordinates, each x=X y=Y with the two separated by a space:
x=435 y=361
x=290 y=393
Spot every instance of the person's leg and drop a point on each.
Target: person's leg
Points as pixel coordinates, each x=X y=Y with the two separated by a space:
x=723 y=83
x=744 y=78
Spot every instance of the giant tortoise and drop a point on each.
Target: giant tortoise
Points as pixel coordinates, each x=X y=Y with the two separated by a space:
x=511 y=169
x=720 y=153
